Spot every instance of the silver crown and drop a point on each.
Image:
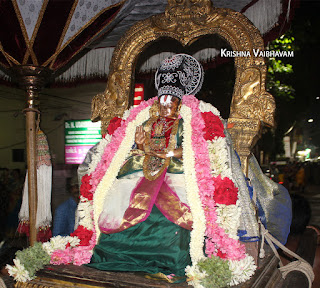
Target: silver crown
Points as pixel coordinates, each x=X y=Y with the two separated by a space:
x=179 y=75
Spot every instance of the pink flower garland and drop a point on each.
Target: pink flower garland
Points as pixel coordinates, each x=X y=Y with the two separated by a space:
x=114 y=145
x=78 y=255
x=217 y=242
x=82 y=254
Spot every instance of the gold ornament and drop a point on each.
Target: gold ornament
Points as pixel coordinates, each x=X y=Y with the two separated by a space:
x=185 y=21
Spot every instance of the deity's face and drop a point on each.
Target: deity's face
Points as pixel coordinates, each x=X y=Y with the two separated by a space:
x=168 y=106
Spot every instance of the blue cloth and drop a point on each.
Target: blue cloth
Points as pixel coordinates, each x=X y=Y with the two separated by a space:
x=64 y=218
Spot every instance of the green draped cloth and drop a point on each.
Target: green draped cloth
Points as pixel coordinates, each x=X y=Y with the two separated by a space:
x=153 y=246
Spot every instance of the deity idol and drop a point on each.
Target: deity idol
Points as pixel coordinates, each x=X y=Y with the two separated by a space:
x=163 y=192
x=170 y=192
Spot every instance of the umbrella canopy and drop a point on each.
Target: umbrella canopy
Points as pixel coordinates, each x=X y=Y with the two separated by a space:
x=50 y=33
x=55 y=34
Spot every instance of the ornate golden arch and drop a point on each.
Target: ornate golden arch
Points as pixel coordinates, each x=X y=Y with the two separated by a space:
x=186 y=21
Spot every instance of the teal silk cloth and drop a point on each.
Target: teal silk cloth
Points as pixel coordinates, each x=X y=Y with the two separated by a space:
x=153 y=246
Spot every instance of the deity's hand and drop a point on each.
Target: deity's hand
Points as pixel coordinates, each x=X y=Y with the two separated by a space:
x=177 y=153
x=162 y=155
x=140 y=137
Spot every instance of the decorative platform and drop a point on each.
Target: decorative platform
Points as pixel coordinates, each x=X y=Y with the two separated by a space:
x=64 y=276
x=267 y=275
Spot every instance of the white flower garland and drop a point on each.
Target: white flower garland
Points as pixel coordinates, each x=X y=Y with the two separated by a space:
x=85 y=211
x=229 y=218
x=97 y=156
x=101 y=193
x=59 y=243
x=207 y=107
x=241 y=270
x=228 y=215
x=85 y=207
x=218 y=158
x=193 y=195
x=18 y=271
x=196 y=275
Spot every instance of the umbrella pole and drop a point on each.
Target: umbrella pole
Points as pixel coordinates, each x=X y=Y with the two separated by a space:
x=31 y=79
x=32 y=172
x=31 y=137
x=31 y=112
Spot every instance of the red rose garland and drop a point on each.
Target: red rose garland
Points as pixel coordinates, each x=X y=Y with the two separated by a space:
x=114 y=124
x=225 y=191
x=83 y=234
x=213 y=126
x=85 y=187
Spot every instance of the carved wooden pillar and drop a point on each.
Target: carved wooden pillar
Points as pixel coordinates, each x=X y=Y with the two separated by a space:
x=244 y=134
x=31 y=79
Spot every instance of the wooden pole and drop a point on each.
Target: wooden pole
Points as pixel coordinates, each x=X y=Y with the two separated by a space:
x=31 y=79
x=32 y=173
x=31 y=136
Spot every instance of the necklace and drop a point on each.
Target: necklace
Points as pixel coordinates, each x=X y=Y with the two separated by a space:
x=162 y=126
